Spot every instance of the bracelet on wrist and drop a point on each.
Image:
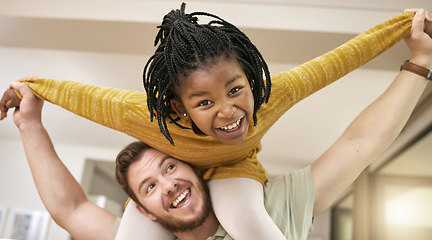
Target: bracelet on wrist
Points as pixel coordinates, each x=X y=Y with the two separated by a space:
x=414 y=68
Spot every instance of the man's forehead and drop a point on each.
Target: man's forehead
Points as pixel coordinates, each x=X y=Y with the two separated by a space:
x=152 y=157
x=147 y=165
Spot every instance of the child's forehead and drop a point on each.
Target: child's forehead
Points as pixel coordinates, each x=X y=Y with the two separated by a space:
x=207 y=60
x=208 y=64
x=222 y=70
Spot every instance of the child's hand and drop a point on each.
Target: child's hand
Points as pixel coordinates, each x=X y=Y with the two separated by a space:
x=420 y=40
x=9 y=100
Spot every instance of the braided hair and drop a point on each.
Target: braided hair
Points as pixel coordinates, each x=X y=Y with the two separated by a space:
x=184 y=46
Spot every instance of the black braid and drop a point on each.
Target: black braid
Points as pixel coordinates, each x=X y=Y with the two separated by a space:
x=185 y=45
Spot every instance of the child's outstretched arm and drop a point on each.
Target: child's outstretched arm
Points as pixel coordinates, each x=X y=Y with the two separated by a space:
x=107 y=106
x=61 y=194
x=288 y=88
x=378 y=125
x=121 y=110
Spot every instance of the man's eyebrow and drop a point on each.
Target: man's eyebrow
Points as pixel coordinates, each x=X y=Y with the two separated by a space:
x=201 y=93
x=147 y=178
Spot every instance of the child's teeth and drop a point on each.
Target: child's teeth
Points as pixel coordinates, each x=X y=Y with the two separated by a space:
x=232 y=126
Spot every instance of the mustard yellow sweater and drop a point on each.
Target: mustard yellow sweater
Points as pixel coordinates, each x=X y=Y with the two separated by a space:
x=126 y=111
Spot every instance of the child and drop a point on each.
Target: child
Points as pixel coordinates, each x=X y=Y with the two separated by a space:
x=223 y=108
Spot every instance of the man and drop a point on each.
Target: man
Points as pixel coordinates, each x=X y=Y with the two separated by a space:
x=362 y=142
x=181 y=202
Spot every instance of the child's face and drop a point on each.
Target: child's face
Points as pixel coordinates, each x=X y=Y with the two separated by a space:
x=218 y=99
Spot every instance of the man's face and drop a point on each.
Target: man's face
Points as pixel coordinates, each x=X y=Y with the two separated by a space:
x=171 y=191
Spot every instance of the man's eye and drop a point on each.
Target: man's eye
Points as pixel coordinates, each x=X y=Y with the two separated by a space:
x=204 y=103
x=234 y=90
x=151 y=187
x=170 y=167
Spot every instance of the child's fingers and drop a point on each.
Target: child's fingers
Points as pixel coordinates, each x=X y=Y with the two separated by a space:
x=9 y=100
x=3 y=108
x=428 y=16
x=428 y=24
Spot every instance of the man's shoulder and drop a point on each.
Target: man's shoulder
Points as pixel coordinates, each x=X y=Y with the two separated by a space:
x=300 y=177
x=289 y=200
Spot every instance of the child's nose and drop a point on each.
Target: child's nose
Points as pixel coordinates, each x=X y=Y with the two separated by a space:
x=227 y=111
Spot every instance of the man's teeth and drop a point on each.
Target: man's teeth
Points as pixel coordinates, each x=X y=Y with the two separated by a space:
x=232 y=126
x=180 y=198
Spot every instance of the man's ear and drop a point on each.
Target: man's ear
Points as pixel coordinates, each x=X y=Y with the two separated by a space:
x=179 y=108
x=145 y=212
x=197 y=171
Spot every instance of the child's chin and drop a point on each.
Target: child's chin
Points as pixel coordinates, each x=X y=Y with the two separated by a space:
x=234 y=142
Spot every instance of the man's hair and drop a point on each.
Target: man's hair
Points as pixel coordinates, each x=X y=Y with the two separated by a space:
x=130 y=154
x=184 y=46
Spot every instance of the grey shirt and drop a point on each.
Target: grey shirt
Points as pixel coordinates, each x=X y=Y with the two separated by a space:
x=289 y=200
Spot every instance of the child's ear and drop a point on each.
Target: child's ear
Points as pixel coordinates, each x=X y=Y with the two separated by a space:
x=145 y=212
x=179 y=108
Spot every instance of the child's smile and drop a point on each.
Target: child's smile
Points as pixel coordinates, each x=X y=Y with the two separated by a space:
x=218 y=99
x=232 y=127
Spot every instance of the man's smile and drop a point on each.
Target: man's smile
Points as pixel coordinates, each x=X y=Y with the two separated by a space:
x=180 y=198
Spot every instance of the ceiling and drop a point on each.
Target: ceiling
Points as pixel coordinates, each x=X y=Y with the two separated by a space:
x=107 y=43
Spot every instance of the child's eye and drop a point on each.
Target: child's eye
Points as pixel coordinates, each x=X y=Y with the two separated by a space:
x=234 y=90
x=204 y=103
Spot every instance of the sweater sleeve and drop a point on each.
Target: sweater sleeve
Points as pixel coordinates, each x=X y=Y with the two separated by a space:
x=288 y=88
x=107 y=106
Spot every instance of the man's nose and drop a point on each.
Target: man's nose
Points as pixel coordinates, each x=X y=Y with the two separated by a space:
x=169 y=186
x=227 y=110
